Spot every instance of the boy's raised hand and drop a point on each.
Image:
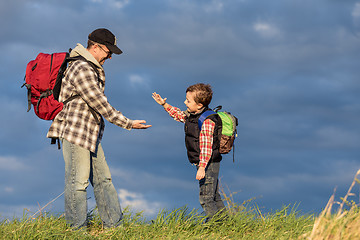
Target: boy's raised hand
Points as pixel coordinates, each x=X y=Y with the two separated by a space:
x=159 y=99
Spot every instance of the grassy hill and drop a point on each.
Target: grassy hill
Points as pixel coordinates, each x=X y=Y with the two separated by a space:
x=177 y=224
x=244 y=221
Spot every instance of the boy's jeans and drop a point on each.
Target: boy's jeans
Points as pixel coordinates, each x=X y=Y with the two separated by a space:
x=81 y=165
x=209 y=197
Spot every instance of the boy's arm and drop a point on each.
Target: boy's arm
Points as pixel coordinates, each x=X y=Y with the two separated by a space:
x=206 y=141
x=174 y=112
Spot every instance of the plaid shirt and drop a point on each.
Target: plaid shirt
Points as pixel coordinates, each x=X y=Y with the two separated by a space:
x=206 y=134
x=75 y=122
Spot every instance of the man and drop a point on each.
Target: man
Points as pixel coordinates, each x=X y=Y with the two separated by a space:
x=80 y=127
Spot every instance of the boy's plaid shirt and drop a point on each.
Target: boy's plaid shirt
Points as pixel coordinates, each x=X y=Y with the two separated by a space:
x=75 y=122
x=206 y=134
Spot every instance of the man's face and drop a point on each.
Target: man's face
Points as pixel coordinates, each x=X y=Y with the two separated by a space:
x=103 y=53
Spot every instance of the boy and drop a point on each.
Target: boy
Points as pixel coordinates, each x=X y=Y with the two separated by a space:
x=202 y=144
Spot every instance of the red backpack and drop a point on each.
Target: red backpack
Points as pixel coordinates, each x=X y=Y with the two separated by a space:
x=43 y=80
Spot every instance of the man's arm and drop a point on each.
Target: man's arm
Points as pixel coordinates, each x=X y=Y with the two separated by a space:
x=85 y=81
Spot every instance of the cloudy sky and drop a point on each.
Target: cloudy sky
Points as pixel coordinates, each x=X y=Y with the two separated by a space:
x=288 y=69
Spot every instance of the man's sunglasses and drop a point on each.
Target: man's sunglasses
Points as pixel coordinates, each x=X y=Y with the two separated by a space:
x=109 y=53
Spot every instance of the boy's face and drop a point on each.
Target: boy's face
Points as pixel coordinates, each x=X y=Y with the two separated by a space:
x=190 y=103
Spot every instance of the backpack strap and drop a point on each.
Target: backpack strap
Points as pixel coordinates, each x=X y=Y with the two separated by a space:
x=218 y=108
x=28 y=87
x=203 y=116
x=57 y=87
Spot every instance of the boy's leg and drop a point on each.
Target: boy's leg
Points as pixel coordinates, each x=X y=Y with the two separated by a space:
x=77 y=170
x=219 y=202
x=106 y=197
x=209 y=197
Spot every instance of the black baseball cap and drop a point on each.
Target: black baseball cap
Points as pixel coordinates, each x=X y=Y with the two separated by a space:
x=105 y=37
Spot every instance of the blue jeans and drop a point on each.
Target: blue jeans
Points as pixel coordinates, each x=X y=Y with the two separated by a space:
x=81 y=165
x=209 y=197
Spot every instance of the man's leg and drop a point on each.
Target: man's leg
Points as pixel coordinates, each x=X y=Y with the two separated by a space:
x=77 y=170
x=106 y=197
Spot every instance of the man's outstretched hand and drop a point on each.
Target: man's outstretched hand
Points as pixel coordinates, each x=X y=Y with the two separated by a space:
x=140 y=124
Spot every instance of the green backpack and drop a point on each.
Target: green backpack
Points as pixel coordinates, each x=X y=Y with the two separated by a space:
x=228 y=130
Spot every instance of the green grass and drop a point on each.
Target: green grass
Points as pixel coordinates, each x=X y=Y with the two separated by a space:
x=247 y=223
x=244 y=221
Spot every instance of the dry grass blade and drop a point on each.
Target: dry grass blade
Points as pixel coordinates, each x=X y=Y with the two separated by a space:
x=39 y=211
x=343 y=225
x=349 y=192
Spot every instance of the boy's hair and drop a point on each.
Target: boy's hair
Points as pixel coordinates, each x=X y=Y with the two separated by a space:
x=203 y=93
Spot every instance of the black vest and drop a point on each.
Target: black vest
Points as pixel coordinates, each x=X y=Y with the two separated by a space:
x=192 y=135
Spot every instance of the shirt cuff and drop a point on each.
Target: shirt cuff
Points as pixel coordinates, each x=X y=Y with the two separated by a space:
x=202 y=164
x=128 y=125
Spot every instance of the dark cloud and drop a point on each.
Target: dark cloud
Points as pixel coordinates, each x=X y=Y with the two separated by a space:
x=288 y=70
